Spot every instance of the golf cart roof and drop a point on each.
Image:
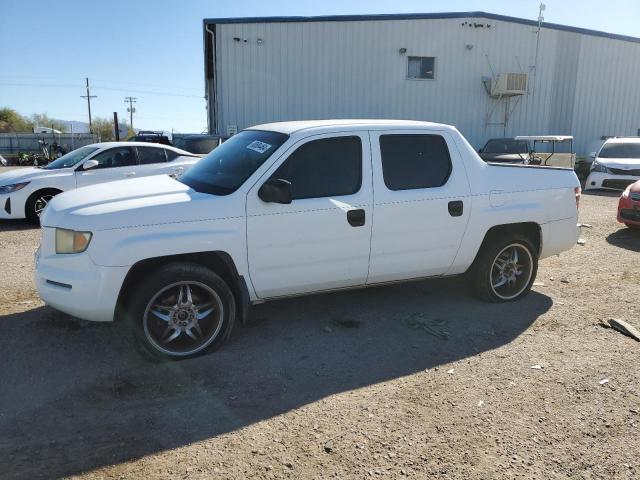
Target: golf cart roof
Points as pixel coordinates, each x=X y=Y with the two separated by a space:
x=545 y=138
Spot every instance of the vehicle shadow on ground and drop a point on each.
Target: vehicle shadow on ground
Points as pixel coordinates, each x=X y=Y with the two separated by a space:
x=627 y=238
x=16 y=225
x=76 y=395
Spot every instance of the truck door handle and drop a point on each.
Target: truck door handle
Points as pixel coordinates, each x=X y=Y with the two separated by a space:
x=130 y=174
x=456 y=208
x=356 y=217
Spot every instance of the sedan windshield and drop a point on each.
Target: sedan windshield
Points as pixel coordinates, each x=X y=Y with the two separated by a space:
x=506 y=146
x=620 y=150
x=229 y=165
x=71 y=158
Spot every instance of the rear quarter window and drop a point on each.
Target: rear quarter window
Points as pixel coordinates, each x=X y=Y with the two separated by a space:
x=414 y=161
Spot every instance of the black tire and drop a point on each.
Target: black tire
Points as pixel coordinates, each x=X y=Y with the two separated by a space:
x=487 y=267
x=632 y=226
x=154 y=301
x=32 y=208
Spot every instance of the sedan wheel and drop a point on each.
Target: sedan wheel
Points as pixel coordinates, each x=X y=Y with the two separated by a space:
x=183 y=318
x=41 y=202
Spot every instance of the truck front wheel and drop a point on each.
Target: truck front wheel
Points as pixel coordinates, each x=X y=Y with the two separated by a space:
x=182 y=310
x=505 y=269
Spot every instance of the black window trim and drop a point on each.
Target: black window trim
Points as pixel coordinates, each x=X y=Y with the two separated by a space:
x=413 y=134
x=315 y=138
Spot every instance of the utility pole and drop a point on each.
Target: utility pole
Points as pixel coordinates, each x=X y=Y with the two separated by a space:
x=116 y=127
x=542 y=7
x=88 y=96
x=131 y=108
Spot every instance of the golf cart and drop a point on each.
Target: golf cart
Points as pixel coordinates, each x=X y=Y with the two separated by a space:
x=542 y=156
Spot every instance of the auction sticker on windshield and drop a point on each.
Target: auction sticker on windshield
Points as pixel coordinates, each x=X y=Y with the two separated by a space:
x=258 y=146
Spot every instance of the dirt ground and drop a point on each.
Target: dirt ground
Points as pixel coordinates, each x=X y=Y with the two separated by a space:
x=417 y=380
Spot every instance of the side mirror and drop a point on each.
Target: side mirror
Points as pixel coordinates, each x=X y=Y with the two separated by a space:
x=89 y=164
x=593 y=154
x=275 y=190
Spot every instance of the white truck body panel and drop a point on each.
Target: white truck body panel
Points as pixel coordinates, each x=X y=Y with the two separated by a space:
x=306 y=246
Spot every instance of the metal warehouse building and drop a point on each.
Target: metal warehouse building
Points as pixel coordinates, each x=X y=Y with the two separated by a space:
x=489 y=75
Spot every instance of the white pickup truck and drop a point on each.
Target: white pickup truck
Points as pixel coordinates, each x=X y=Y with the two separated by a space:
x=295 y=208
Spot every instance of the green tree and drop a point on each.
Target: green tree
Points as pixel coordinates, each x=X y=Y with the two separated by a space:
x=12 y=122
x=104 y=128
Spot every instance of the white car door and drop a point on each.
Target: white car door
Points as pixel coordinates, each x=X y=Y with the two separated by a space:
x=421 y=204
x=116 y=163
x=321 y=239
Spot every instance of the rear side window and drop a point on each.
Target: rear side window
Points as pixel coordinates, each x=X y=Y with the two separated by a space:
x=329 y=167
x=149 y=155
x=414 y=161
x=171 y=155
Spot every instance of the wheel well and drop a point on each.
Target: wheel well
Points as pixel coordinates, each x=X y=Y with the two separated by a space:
x=219 y=262
x=531 y=230
x=45 y=190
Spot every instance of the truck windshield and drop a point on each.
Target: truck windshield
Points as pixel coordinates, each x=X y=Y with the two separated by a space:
x=223 y=170
x=71 y=158
x=620 y=150
x=506 y=146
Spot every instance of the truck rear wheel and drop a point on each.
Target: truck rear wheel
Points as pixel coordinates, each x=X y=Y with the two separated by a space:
x=505 y=269
x=182 y=310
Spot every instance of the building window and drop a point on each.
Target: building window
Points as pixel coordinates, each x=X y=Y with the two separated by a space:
x=422 y=68
x=414 y=161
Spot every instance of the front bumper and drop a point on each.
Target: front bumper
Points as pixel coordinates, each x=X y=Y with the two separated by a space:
x=75 y=285
x=629 y=211
x=609 y=181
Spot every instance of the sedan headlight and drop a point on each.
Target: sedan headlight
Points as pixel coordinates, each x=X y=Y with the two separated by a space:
x=13 y=188
x=598 y=167
x=70 y=241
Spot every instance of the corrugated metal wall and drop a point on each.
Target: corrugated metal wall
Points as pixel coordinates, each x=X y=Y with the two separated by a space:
x=584 y=85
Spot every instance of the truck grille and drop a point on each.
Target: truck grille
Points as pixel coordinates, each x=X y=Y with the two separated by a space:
x=620 y=171
x=635 y=196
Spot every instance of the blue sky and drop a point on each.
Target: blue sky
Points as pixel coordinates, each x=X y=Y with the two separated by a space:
x=153 y=49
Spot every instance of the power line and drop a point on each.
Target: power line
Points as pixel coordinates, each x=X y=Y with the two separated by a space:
x=131 y=108
x=149 y=92
x=88 y=96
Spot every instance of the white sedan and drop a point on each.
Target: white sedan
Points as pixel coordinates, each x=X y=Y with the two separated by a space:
x=24 y=192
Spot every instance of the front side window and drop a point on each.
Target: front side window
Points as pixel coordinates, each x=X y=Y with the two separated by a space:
x=620 y=150
x=116 y=157
x=71 y=158
x=329 y=167
x=414 y=161
x=422 y=68
x=227 y=167
x=149 y=155
x=171 y=154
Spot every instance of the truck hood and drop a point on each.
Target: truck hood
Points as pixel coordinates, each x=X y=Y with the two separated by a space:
x=133 y=203
x=621 y=163
x=19 y=175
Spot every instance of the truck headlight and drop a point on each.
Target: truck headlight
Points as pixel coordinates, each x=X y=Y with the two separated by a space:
x=626 y=192
x=13 y=188
x=70 y=241
x=598 y=167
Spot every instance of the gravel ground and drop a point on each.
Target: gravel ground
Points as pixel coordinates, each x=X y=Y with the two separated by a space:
x=417 y=380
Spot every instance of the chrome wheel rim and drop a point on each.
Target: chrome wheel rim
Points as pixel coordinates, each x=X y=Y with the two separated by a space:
x=183 y=318
x=41 y=203
x=511 y=271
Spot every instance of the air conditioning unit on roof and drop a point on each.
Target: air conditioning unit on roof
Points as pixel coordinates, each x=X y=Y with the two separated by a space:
x=509 y=85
